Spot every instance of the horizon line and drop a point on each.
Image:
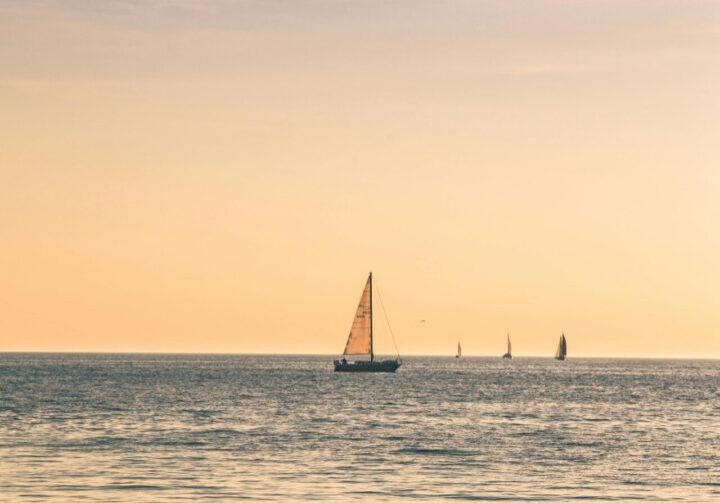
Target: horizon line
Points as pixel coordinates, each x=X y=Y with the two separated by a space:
x=412 y=355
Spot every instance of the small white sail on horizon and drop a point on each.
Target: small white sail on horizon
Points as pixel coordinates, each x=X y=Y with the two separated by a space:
x=508 y=355
x=459 y=351
x=561 y=352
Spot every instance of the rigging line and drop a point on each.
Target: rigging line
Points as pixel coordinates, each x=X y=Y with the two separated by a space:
x=387 y=320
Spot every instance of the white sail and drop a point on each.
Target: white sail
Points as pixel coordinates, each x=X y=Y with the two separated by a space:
x=459 y=353
x=360 y=339
x=509 y=351
x=562 y=348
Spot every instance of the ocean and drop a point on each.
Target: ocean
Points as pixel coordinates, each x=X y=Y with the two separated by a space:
x=157 y=428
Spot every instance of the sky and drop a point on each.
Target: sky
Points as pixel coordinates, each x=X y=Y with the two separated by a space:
x=220 y=176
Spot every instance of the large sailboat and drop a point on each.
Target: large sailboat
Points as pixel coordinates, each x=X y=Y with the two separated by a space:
x=459 y=352
x=360 y=340
x=561 y=352
x=508 y=355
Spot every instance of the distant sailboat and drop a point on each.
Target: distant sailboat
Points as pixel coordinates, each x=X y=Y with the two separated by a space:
x=360 y=340
x=508 y=355
x=561 y=352
x=459 y=352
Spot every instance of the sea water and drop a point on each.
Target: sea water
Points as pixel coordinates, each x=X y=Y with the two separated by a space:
x=151 y=428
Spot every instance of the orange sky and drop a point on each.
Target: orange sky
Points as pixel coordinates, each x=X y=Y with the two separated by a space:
x=221 y=176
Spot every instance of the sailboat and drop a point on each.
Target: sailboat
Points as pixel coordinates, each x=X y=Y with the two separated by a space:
x=508 y=355
x=360 y=340
x=459 y=352
x=561 y=352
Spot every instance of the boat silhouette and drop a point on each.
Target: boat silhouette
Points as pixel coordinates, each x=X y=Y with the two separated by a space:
x=508 y=355
x=360 y=339
x=561 y=352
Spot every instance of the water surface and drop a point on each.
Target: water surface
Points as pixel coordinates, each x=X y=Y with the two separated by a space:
x=155 y=428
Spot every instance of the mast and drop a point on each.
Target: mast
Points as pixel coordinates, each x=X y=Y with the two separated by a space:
x=372 y=355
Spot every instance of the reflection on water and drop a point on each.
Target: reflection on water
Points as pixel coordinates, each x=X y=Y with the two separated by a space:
x=177 y=427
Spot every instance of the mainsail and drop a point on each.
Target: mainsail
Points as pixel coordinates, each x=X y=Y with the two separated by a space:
x=360 y=339
x=459 y=353
x=561 y=349
x=509 y=351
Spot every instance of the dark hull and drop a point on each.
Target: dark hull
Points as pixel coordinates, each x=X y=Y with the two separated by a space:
x=507 y=356
x=561 y=358
x=379 y=366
